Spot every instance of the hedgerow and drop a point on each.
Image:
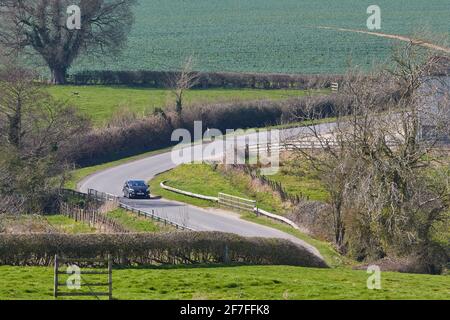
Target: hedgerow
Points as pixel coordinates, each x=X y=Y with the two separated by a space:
x=154 y=249
x=159 y=79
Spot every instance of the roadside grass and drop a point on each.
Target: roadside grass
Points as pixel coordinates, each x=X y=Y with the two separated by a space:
x=67 y=225
x=135 y=223
x=101 y=102
x=233 y=283
x=33 y=223
x=198 y=178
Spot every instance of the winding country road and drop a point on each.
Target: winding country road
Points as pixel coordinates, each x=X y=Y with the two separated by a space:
x=111 y=181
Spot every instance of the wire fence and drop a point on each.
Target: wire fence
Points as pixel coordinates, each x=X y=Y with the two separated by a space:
x=106 y=197
x=94 y=217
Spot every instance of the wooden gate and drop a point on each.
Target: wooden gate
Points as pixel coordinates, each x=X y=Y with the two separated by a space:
x=96 y=267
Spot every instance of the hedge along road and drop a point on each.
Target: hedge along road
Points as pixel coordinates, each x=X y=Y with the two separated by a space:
x=112 y=180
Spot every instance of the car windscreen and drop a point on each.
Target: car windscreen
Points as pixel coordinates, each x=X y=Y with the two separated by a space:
x=137 y=184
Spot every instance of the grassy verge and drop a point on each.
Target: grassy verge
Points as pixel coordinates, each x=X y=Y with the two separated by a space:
x=67 y=225
x=135 y=223
x=240 y=282
x=101 y=102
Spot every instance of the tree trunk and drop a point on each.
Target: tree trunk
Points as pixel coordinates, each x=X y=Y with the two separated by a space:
x=59 y=75
x=15 y=125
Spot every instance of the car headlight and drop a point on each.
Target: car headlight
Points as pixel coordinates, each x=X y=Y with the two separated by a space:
x=131 y=190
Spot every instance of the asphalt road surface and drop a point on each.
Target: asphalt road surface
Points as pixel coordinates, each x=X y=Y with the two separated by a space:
x=111 y=181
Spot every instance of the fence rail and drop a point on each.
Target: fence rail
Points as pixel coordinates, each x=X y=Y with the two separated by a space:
x=334 y=87
x=290 y=146
x=102 y=196
x=187 y=193
x=237 y=202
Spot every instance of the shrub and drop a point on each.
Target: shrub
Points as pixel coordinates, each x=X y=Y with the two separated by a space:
x=148 y=249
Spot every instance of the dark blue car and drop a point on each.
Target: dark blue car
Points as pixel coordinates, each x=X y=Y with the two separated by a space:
x=136 y=189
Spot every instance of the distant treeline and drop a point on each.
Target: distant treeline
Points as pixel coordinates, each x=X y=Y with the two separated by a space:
x=161 y=79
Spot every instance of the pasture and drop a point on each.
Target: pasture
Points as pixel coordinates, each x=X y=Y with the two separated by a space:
x=237 y=283
x=101 y=102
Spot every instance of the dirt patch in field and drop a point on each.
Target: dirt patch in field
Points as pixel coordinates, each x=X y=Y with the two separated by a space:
x=422 y=43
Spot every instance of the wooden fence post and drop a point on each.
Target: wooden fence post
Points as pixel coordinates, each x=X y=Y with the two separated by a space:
x=55 y=286
x=247 y=154
x=110 y=276
x=226 y=255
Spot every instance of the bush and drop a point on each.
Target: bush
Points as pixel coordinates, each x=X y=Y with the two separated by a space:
x=148 y=249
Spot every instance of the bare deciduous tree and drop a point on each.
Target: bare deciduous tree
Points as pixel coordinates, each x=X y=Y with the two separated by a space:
x=33 y=127
x=386 y=186
x=42 y=26
x=182 y=81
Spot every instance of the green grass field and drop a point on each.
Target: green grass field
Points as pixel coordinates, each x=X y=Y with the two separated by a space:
x=266 y=35
x=239 y=282
x=101 y=102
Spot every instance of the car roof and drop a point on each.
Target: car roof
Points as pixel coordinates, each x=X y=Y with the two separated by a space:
x=136 y=181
